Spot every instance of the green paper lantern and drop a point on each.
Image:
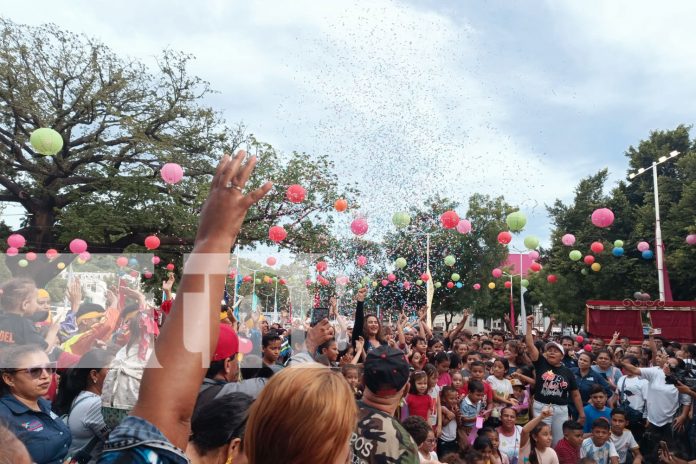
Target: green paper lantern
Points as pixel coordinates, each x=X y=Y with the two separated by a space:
x=401 y=219
x=46 y=141
x=524 y=283
x=400 y=263
x=516 y=221
x=575 y=255
x=419 y=282
x=455 y=277
x=618 y=243
x=531 y=242
x=449 y=260
x=258 y=281
x=438 y=285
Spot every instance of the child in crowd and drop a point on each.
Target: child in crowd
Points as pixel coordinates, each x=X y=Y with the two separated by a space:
x=487 y=347
x=442 y=363
x=623 y=439
x=536 y=439
x=352 y=375
x=521 y=393
x=416 y=360
x=471 y=357
x=472 y=406
x=484 y=446
x=329 y=350
x=418 y=401
x=447 y=441
x=270 y=344
x=423 y=436
x=568 y=447
x=458 y=384
x=502 y=388
x=435 y=415
x=492 y=435
x=599 y=447
x=478 y=372
x=597 y=407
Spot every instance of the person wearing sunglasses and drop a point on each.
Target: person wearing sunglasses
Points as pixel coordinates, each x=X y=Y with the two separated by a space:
x=25 y=376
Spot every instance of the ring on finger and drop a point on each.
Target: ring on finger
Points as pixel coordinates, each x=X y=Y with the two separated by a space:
x=231 y=185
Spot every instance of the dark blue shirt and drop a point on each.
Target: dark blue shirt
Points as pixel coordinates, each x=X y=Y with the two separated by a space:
x=137 y=441
x=585 y=384
x=45 y=435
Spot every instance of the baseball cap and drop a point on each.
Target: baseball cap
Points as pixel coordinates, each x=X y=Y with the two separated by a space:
x=386 y=370
x=558 y=346
x=516 y=383
x=227 y=345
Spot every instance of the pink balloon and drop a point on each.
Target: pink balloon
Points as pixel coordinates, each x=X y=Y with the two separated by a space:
x=385 y=282
x=342 y=280
x=359 y=226
x=85 y=256
x=642 y=246
x=589 y=259
x=51 y=253
x=31 y=256
x=121 y=261
x=172 y=173
x=464 y=226
x=568 y=239
x=407 y=285
x=602 y=217
x=152 y=242
x=295 y=193
x=271 y=261
x=12 y=251
x=533 y=254
x=245 y=345
x=391 y=277
x=597 y=247
x=361 y=261
x=691 y=239
x=477 y=286
x=78 y=246
x=156 y=260
x=425 y=277
x=147 y=274
x=277 y=233
x=16 y=241
x=496 y=272
x=504 y=237
x=322 y=266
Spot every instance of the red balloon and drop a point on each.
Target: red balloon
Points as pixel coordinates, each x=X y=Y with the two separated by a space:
x=504 y=237
x=391 y=277
x=277 y=234
x=134 y=273
x=588 y=347
x=362 y=261
x=282 y=281
x=170 y=267
x=341 y=205
x=152 y=242
x=535 y=267
x=450 y=284
x=359 y=226
x=579 y=339
x=245 y=345
x=477 y=286
x=121 y=261
x=449 y=219
x=147 y=274
x=589 y=259
x=597 y=247
x=385 y=282
x=295 y=193
x=551 y=278
x=508 y=284
x=322 y=266
x=425 y=277
x=156 y=260
x=247 y=278
x=271 y=261
x=51 y=253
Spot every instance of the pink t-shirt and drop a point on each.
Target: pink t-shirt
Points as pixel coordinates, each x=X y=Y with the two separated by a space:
x=444 y=380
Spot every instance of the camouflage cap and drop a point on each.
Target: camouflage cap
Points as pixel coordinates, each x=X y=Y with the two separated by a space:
x=386 y=370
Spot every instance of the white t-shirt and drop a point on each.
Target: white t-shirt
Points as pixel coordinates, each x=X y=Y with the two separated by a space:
x=601 y=454
x=548 y=456
x=449 y=431
x=636 y=390
x=432 y=457
x=501 y=387
x=432 y=415
x=623 y=443
x=510 y=446
x=664 y=399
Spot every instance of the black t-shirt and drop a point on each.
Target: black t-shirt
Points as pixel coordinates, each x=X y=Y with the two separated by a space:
x=18 y=330
x=553 y=383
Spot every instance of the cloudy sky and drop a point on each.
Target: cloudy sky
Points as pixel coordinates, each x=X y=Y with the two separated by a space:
x=520 y=99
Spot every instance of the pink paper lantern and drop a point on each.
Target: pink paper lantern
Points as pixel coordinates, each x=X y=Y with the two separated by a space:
x=361 y=261
x=172 y=173
x=449 y=219
x=78 y=246
x=589 y=259
x=568 y=239
x=121 y=261
x=597 y=247
x=464 y=226
x=643 y=246
x=359 y=226
x=277 y=234
x=602 y=217
x=152 y=242
x=51 y=253
x=271 y=261
x=85 y=256
x=385 y=282
x=691 y=239
x=391 y=277
x=295 y=193
x=156 y=260
x=12 y=251
x=16 y=241
x=496 y=272
x=322 y=266
x=504 y=237
x=533 y=254
x=477 y=287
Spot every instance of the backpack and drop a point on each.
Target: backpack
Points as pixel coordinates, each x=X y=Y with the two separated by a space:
x=633 y=415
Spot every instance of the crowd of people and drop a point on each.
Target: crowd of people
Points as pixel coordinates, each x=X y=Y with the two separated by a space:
x=125 y=382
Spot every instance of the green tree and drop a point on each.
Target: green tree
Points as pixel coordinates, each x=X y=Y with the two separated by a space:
x=120 y=122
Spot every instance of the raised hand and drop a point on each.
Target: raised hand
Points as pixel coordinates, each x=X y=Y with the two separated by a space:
x=362 y=293
x=169 y=283
x=74 y=293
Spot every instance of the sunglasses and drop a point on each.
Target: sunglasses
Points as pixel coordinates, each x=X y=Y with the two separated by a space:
x=36 y=371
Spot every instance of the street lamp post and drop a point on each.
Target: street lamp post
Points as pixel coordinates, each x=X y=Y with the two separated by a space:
x=658 y=230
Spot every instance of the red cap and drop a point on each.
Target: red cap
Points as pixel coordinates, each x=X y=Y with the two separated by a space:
x=227 y=345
